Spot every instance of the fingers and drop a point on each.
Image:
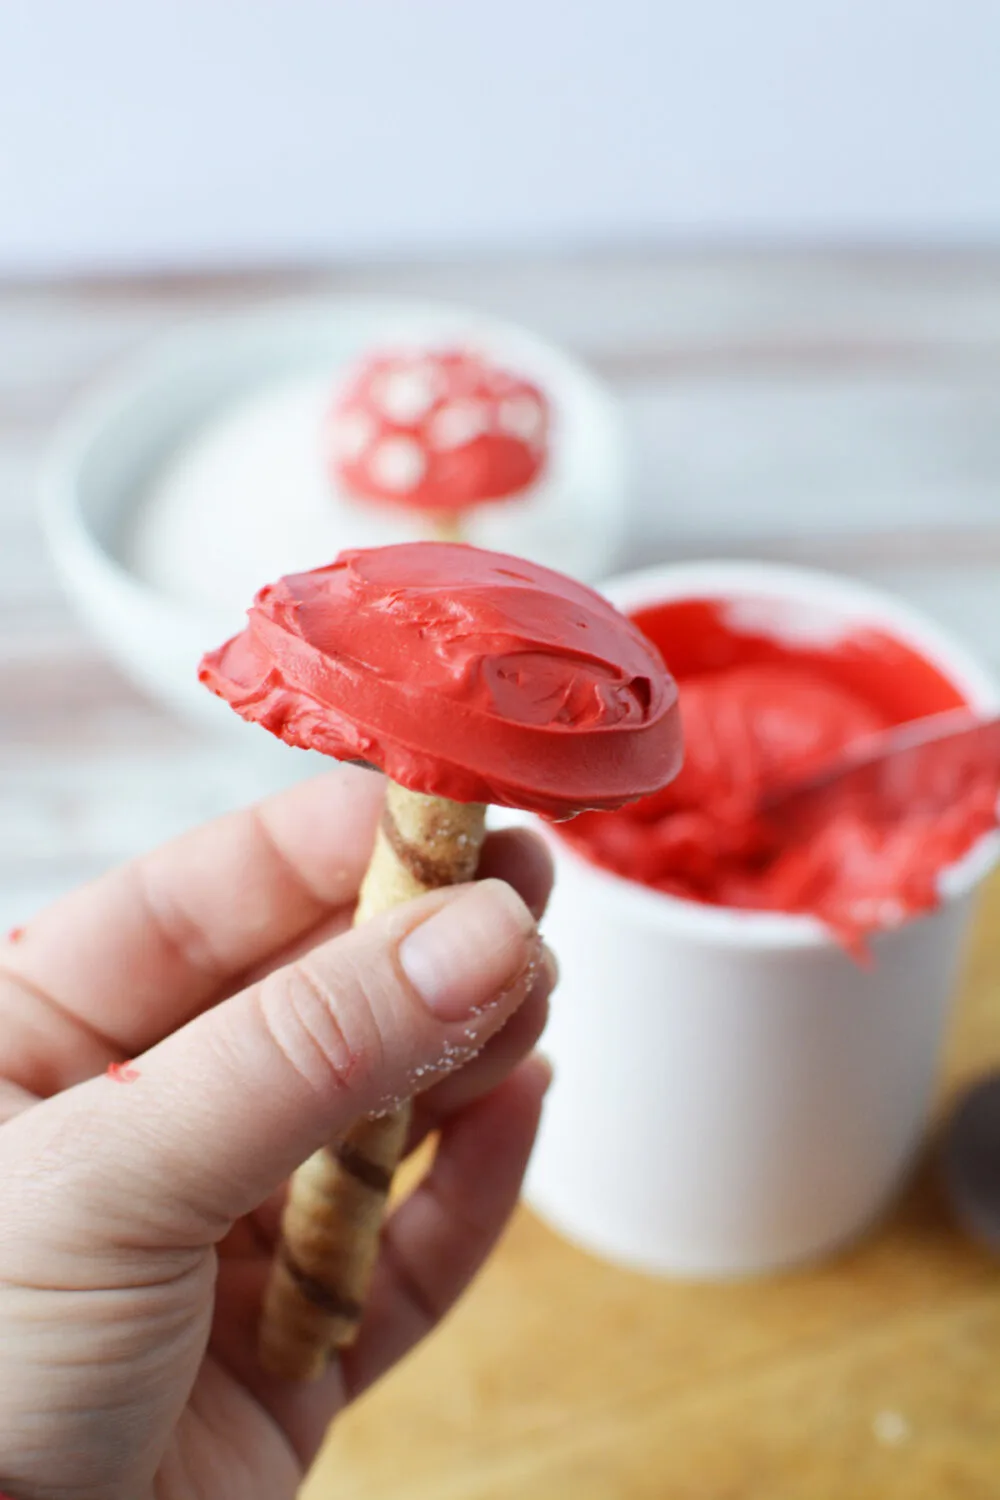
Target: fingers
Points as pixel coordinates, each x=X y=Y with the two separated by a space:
x=57 y=1026
x=45 y=1048
x=139 y=951
x=223 y=1111
x=522 y=859
x=515 y=855
x=437 y=1240
x=500 y=1056
x=42 y=1047
x=432 y=1247
x=433 y=1109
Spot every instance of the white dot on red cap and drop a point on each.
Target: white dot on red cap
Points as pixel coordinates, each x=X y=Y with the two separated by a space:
x=350 y=434
x=405 y=393
x=458 y=423
x=522 y=417
x=397 y=464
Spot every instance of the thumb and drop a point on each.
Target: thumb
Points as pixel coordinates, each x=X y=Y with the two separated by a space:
x=214 y=1118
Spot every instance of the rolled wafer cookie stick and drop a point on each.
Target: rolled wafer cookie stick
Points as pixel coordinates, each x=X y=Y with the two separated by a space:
x=332 y=1221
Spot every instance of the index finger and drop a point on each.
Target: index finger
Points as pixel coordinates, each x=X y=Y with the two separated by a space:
x=141 y=950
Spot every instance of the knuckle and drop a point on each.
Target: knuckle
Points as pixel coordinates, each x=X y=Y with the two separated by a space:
x=178 y=929
x=325 y=1032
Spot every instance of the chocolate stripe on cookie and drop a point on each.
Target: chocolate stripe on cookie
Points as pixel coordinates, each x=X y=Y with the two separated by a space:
x=429 y=872
x=326 y=1298
x=361 y=1167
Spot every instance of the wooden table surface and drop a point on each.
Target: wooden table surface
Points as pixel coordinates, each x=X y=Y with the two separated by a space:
x=835 y=409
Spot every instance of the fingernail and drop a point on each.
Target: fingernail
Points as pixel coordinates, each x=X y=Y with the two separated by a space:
x=550 y=964
x=470 y=951
x=543 y=1070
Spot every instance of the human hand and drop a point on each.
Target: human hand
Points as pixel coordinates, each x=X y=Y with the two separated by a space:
x=139 y=1208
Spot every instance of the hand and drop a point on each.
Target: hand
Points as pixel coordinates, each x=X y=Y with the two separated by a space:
x=139 y=1209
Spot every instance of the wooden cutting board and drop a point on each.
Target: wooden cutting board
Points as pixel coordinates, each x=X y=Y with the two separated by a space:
x=874 y=1378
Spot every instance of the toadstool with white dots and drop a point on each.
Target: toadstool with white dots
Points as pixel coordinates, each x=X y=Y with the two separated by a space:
x=468 y=677
x=438 y=431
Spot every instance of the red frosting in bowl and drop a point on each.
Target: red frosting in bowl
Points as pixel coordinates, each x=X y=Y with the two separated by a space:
x=760 y=712
x=462 y=673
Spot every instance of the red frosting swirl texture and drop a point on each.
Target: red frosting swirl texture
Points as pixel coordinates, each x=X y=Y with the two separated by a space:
x=461 y=673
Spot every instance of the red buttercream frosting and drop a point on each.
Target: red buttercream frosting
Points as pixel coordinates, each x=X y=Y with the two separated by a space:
x=461 y=673
x=758 y=713
x=440 y=430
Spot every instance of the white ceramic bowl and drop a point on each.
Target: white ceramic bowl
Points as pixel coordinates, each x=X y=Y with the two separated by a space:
x=113 y=446
x=733 y=1094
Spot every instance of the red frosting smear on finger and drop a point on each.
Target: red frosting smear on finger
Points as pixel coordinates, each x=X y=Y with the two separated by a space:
x=122 y=1072
x=438 y=430
x=461 y=673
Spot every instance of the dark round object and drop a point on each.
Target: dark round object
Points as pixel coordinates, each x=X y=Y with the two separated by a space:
x=971 y=1161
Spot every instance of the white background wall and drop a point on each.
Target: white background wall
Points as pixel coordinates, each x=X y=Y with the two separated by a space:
x=178 y=132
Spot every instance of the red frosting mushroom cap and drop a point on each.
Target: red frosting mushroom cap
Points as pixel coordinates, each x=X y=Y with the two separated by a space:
x=437 y=430
x=461 y=673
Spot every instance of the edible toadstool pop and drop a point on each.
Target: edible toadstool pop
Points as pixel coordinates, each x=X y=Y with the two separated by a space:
x=439 y=431
x=468 y=677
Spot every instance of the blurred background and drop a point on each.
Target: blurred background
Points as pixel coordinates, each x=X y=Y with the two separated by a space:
x=771 y=231
x=209 y=133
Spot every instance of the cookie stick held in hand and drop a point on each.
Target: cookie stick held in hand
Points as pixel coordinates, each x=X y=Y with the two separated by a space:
x=469 y=677
x=333 y=1214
